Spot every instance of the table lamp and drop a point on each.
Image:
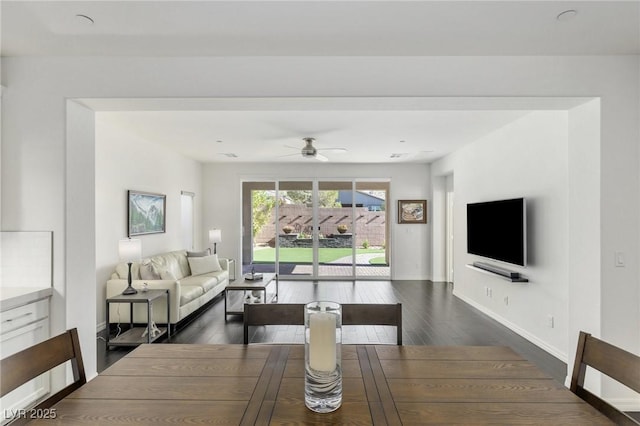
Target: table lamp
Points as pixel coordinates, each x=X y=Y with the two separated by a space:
x=215 y=237
x=130 y=251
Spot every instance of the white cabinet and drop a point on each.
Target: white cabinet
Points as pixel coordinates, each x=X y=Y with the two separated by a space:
x=20 y=328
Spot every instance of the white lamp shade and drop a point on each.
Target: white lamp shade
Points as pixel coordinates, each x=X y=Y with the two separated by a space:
x=215 y=236
x=130 y=250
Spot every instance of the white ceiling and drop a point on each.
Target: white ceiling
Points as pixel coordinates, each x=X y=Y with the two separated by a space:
x=276 y=136
x=316 y=28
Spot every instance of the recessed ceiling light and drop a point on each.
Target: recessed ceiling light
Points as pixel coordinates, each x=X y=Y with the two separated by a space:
x=229 y=154
x=84 y=19
x=218 y=141
x=402 y=141
x=567 y=15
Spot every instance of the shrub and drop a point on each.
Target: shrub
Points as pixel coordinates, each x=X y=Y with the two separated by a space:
x=365 y=244
x=287 y=229
x=342 y=228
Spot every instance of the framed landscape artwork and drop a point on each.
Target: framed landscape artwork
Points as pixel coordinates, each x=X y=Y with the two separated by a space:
x=146 y=213
x=412 y=211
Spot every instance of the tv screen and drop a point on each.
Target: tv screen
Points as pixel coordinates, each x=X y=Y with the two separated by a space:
x=497 y=230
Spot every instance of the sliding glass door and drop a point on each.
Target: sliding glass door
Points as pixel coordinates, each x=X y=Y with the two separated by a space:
x=259 y=204
x=336 y=248
x=295 y=227
x=372 y=230
x=316 y=229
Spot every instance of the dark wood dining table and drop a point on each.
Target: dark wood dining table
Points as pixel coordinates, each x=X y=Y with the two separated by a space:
x=264 y=385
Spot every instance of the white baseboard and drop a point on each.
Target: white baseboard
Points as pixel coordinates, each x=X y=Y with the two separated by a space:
x=625 y=404
x=101 y=326
x=410 y=278
x=513 y=327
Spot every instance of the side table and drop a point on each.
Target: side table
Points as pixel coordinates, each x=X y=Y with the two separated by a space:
x=135 y=335
x=235 y=305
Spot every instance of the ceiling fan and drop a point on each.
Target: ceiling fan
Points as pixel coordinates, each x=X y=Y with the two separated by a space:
x=310 y=151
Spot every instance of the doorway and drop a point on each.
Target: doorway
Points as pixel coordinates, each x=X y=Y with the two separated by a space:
x=449 y=230
x=186 y=219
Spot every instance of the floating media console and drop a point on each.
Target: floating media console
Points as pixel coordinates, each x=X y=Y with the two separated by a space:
x=497 y=270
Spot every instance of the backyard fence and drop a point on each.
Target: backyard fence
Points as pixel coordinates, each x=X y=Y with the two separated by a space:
x=370 y=226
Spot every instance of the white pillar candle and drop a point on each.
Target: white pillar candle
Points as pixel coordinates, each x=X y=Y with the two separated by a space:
x=322 y=341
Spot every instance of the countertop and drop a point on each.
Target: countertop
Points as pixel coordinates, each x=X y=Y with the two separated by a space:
x=12 y=297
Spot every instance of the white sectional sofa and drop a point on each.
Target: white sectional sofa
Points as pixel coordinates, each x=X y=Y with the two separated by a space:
x=192 y=282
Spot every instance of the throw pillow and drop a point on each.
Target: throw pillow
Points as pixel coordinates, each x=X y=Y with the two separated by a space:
x=202 y=253
x=203 y=265
x=148 y=271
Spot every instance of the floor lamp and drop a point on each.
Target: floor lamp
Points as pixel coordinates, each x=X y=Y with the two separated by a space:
x=215 y=237
x=130 y=251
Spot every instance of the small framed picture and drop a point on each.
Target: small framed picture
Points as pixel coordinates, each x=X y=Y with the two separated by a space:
x=146 y=213
x=412 y=211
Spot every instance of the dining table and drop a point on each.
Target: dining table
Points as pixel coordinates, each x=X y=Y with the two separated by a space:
x=256 y=384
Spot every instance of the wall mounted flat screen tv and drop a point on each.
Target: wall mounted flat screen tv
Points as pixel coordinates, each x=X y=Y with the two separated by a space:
x=498 y=230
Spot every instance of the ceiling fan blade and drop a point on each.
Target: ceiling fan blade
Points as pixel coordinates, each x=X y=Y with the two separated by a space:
x=289 y=155
x=334 y=150
x=297 y=148
x=321 y=157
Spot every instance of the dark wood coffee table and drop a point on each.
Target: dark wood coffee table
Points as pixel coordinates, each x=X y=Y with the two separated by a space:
x=235 y=307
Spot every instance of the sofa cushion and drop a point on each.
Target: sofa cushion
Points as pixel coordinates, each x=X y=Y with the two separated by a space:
x=148 y=271
x=122 y=269
x=189 y=293
x=202 y=265
x=167 y=274
x=205 y=281
x=174 y=262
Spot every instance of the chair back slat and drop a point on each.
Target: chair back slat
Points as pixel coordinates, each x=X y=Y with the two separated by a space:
x=29 y=363
x=369 y=314
x=610 y=360
x=352 y=314
x=272 y=314
x=374 y=314
x=616 y=363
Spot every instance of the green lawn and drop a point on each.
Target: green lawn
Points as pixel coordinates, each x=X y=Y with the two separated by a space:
x=305 y=255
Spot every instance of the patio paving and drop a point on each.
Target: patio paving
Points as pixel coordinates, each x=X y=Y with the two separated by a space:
x=333 y=270
x=341 y=267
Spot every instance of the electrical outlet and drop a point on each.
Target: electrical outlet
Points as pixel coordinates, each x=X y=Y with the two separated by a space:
x=550 y=321
x=490 y=292
x=506 y=300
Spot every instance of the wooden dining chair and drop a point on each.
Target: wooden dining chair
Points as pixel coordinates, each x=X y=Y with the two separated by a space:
x=352 y=314
x=374 y=314
x=29 y=363
x=271 y=314
x=612 y=361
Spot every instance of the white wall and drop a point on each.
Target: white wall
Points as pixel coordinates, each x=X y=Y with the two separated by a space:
x=34 y=146
x=438 y=216
x=410 y=244
x=80 y=243
x=527 y=158
x=125 y=161
x=585 y=234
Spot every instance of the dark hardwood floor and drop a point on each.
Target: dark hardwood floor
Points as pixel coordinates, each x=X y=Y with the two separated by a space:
x=431 y=316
